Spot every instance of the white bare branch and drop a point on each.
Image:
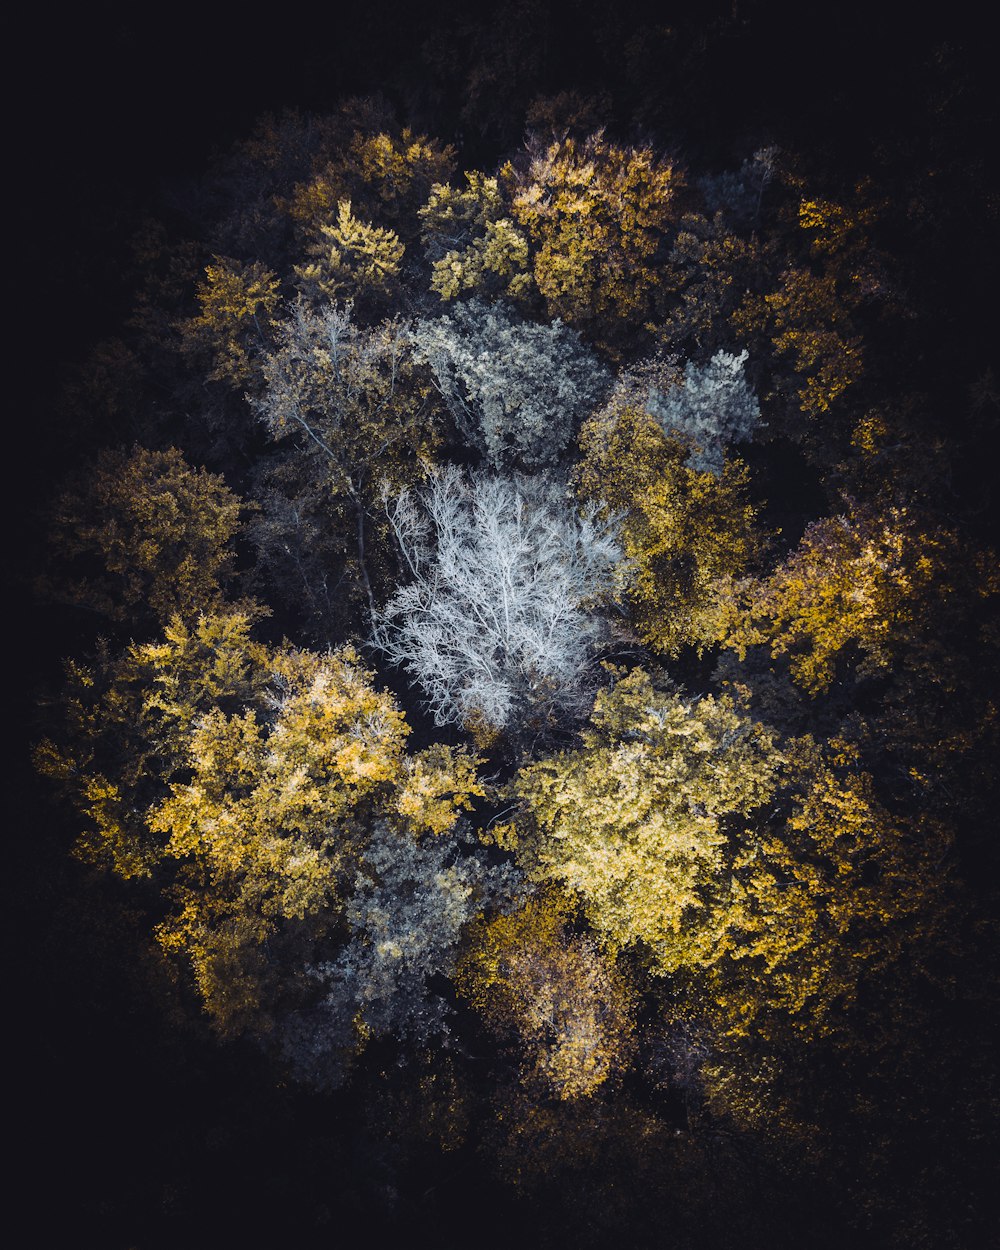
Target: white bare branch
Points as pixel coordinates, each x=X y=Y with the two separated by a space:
x=500 y=618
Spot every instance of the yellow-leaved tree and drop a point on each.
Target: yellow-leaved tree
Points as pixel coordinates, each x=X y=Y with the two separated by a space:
x=830 y=269
x=397 y=172
x=472 y=242
x=387 y=174
x=688 y=534
x=238 y=304
x=246 y=781
x=860 y=585
x=833 y=894
x=126 y=723
x=271 y=823
x=598 y=216
x=766 y=883
x=529 y=974
x=350 y=259
x=812 y=326
x=143 y=532
x=637 y=821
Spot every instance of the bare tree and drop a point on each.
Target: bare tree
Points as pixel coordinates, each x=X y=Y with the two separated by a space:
x=499 y=620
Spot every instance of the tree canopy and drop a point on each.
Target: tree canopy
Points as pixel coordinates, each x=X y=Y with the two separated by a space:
x=531 y=620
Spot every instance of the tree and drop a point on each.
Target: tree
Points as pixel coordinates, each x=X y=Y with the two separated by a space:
x=410 y=903
x=385 y=172
x=349 y=400
x=238 y=305
x=688 y=535
x=305 y=546
x=857 y=585
x=840 y=934
x=598 y=217
x=738 y=196
x=351 y=260
x=126 y=724
x=472 y=242
x=886 y=600
x=526 y=971
x=636 y=821
x=712 y=408
x=514 y=388
x=832 y=897
x=156 y=534
x=246 y=783
x=399 y=171
x=496 y=624
x=274 y=824
x=247 y=190
x=711 y=268
x=766 y=882
x=812 y=325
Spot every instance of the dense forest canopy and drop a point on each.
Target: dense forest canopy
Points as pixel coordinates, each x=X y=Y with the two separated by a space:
x=512 y=687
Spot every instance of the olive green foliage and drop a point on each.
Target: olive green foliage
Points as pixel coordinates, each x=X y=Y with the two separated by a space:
x=143 y=532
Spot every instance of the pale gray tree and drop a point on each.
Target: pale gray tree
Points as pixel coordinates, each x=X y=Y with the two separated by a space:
x=712 y=407
x=738 y=195
x=515 y=389
x=499 y=622
x=410 y=903
x=345 y=398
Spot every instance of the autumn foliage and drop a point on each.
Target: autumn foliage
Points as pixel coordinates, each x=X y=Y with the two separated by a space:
x=532 y=657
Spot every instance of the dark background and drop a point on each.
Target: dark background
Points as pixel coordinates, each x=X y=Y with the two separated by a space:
x=131 y=1131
